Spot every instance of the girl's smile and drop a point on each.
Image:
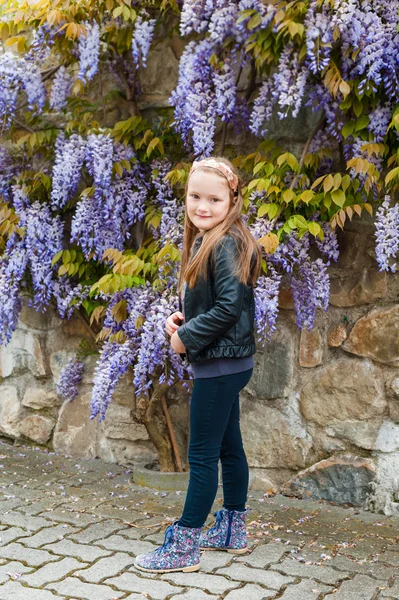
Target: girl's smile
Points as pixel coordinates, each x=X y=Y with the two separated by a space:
x=208 y=199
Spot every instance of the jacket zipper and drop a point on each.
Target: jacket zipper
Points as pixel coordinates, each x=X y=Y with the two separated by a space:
x=231 y=514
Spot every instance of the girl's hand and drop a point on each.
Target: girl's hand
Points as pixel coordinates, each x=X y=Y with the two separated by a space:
x=172 y=322
x=177 y=344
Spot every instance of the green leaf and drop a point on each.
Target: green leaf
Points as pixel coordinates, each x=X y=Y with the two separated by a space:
x=348 y=129
x=362 y=122
x=338 y=197
x=263 y=210
x=314 y=228
x=391 y=175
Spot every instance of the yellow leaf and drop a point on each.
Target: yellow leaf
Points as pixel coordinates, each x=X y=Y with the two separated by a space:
x=269 y=242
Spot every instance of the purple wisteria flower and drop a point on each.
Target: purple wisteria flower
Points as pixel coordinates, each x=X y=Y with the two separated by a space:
x=44 y=238
x=225 y=91
x=310 y=290
x=319 y=28
x=69 y=297
x=99 y=159
x=266 y=294
x=114 y=362
x=17 y=73
x=329 y=245
x=194 y=16
x=70 y=379
x=387 y=235
x=89 y=52
x=142 y=38
x=13 y=265
x=61 y=88
x=7 y=172
x=69 y=159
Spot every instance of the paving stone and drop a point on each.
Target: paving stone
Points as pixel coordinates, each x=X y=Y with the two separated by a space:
x=11 y=534
x=98 y=531
x=33 y=557
x=52 y=572
x=13 y=590
x=38 y=507
x=70 y=548
x=135 y=547
x=299 y=569
x=130 y=582
x=250 y=592
x=64 y=516
x=84 y=591
x=213 y=560
x=9 y=504
x=48 y=535
x=141 y=597
x=391 y=592
x=215 y=584
x=12 y=567
x=135 y=533
x=265 y=554
x=305 y=590
x=270 y=579
x=391 y=558
x=360 y=587
x=24 y=521
x=106 y=567
x=194 y=594
x=375 y=569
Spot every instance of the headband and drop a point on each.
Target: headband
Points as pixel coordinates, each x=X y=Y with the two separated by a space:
x=219 y=166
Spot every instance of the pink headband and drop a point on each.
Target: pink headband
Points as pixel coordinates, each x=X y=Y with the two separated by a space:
x=221 y=167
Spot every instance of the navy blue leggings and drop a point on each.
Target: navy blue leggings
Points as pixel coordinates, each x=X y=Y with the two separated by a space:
x=215 y=434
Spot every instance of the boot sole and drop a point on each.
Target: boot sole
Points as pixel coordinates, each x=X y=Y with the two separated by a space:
x=184 y=569
x=229 y=550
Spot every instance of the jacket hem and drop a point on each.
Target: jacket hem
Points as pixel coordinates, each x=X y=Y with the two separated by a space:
x=230 y=351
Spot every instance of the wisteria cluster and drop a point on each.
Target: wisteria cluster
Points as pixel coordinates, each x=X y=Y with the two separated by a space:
x=61 y=89
x=142 y=38
x=13 y=265
x=387 y=235
x=17 y=73
x=89 y=52
x=69 y=160
x=70 y=379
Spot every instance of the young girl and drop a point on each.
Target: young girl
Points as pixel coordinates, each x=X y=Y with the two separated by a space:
x=221 y=262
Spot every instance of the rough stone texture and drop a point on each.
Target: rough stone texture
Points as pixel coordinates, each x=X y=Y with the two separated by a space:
x=343 y=390
x=75 y=433
x=10 y=411
x=311 y=348
x=272 y=437
x=355 y=289
x=319 y=481
x=25 y=352
x=376 y=336
x=363 y=434
x=337 y=334
x=38 y=398
x=119 y=424
x=37 y=428
x=273 y=368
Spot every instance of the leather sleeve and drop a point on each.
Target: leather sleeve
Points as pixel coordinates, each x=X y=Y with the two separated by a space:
x=203 y=329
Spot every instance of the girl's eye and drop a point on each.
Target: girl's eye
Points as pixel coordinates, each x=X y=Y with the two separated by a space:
x=216 y=199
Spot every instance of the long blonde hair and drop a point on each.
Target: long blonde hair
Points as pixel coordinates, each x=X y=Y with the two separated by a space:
x=250 y=254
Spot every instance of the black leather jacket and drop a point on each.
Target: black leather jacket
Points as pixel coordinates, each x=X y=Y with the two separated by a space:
x=219 y=312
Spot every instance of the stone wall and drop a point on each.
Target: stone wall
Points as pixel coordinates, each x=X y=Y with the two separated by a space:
x=320 y=416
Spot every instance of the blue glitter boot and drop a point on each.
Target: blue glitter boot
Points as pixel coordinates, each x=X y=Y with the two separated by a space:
x=229 y=532
x=179 y=552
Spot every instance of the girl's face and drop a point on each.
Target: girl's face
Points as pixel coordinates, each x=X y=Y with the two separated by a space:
x=208 y=199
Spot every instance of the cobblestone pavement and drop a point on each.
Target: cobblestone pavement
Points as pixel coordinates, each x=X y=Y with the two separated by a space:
x=70 y=529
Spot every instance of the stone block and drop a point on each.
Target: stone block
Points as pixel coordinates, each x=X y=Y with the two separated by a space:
x=214 y=583
x=343 y=390
x=259 y=480
x=32 y=557
x=118 y=424
x=270 y=579
x=342 y=479
x=37 y=428
x=360 y=587
x=273 y=369
x=25 y=352
x=273 y=439
x=310 y=348
x=362 y=434
x=75 y=433
x=10 y=411
x=107 y=567
x=12 y=567
x=13 y=590
x=336 y=336
x=38 y=398
x=80 y=551
x=376 y=336
x=357 y=289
